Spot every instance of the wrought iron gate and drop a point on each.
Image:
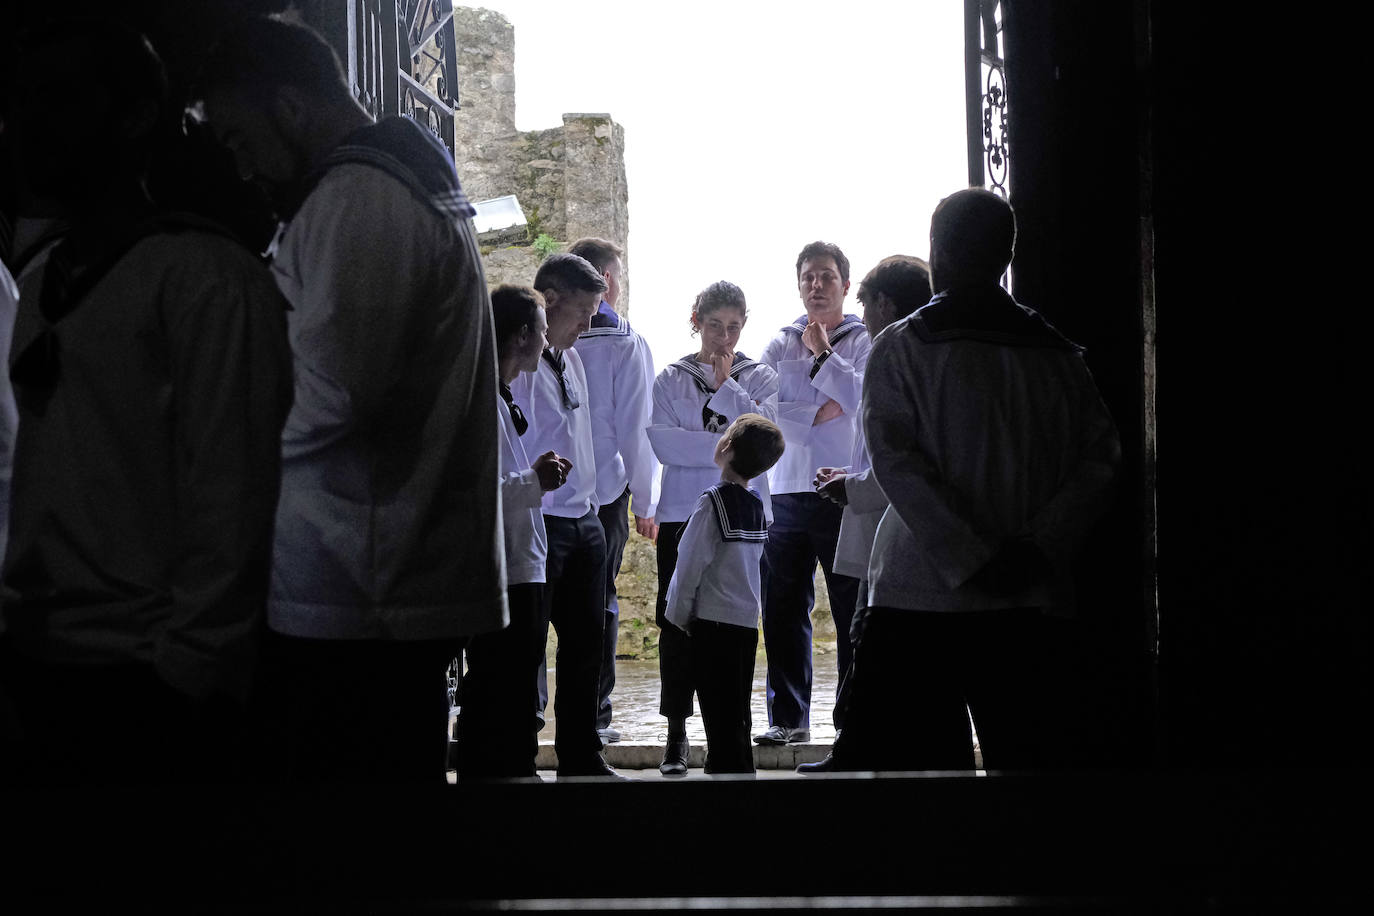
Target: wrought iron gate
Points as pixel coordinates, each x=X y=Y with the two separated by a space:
x=400 y=57
x=985 y=95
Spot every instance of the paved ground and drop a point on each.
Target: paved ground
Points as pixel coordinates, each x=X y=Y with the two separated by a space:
x=634 y=703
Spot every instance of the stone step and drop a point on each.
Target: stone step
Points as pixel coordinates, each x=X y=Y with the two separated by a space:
x=646 y=755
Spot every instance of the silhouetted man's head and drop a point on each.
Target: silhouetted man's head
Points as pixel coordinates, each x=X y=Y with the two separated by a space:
x=972 y=235
x=275 y=94
x=898 y=286
x=72 y=154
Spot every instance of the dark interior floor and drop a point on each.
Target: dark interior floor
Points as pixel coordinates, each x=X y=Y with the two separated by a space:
x=1235 y=841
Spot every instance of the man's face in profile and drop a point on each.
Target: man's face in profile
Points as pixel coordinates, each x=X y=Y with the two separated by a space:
x=614 y=274
x=569 y=314
x=263 y=140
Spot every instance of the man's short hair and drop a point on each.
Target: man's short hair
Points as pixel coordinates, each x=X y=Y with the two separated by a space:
x=512 y=308
x=975 y=232
x=824 y=250
x=902 y=278
x=568 y=273
x=261 y=54
x=756 y=444
x=598 y=251
x=120 y=57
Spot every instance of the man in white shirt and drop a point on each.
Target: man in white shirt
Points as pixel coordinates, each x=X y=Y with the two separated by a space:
x=997 y=454
x=620 y=376
x=555 y=403
x=388 y=550
x=820 y=360
x=495 y=739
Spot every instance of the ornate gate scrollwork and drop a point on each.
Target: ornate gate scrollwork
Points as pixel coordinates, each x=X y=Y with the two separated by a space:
x=985 y=90
x=402 y=59
x=429 y=84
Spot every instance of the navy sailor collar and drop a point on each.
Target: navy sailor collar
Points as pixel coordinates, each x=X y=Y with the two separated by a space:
x=407 y=152
x=849 y=325
x=988 y=314
x=738 y=512
x=606 y=323
x=693 y=368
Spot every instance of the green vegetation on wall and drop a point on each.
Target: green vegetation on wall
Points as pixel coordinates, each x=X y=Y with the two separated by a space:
x=545 y=245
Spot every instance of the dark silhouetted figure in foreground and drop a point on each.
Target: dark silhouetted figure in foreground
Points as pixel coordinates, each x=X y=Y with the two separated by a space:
x=991 y=442
x=388 y=546
x=152 y=377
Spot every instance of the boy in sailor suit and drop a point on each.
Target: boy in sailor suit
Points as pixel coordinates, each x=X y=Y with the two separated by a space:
x=715 y=592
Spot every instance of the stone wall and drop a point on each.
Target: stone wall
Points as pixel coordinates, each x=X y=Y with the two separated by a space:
x=570 y=180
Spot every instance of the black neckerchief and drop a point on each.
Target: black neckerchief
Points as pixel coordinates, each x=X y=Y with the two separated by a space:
x=555 y=359
x=517 y=416
x=711 y=421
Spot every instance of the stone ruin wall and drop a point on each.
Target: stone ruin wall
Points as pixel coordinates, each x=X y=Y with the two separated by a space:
x=570 y=180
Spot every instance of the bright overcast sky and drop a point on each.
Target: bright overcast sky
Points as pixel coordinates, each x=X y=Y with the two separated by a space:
x=751 y=128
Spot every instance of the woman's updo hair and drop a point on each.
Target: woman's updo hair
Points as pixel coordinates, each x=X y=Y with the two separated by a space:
x=719 y=295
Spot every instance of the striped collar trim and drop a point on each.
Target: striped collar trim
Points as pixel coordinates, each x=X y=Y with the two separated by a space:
x=739 y=513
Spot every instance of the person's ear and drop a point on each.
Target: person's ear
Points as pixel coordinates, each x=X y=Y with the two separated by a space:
x=550 y=300
x=290 y=106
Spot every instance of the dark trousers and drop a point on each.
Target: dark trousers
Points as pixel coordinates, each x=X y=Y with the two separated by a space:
x=723 y=668
x=804 y=531
x=574 y=602
x=112 y=724
x=354 y=710
x=926 y=671
x=845 y=685
x=676 y=683
x=496 y=739
x=615 y=524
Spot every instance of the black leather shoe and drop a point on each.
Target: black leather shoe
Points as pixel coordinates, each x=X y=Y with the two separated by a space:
x=825 y=765
x=675 y=754
x=781 y=734
x=593 y=769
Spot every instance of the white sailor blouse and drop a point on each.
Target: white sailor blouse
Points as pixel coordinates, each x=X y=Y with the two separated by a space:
x=620 y=374
x=687 y=422
x=805 y=382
